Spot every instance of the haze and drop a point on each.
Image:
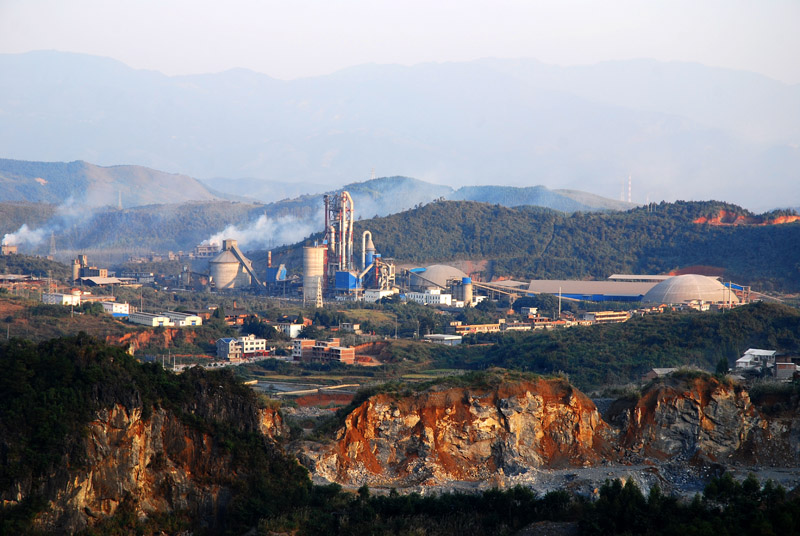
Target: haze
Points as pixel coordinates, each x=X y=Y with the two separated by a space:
x=694 y=100
x=308 y=38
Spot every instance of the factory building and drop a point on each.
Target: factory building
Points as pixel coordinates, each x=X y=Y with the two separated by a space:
x=432 y=296
x=150 y=319
x=183 y=319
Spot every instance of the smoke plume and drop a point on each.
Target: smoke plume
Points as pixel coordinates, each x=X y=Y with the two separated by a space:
x=268 y=232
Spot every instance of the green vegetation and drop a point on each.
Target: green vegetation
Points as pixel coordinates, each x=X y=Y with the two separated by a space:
x=37 y=266
x=51 y=390
x=532 y=242
x=727 y=507
x=619 y=353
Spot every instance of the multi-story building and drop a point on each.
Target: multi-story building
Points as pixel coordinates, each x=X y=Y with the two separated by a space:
x=328 y=351
x=290 y=329
x=243 y=347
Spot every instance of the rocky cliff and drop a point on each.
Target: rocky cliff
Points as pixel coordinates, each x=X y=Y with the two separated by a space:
x=694 y=417
x=137 y=441
x=469 y=434
x=727 y=217
x=463 y=433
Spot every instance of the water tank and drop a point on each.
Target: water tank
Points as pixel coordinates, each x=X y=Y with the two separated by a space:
x=313 y=270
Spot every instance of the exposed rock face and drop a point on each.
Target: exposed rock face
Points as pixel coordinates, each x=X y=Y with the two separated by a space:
x=466 y=434
x=155 y=463
x=165 y=338
x=700 y=417
x=463 y=434
x=726 y=217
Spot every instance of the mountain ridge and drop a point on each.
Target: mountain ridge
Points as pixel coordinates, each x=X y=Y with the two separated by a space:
x=519 y=122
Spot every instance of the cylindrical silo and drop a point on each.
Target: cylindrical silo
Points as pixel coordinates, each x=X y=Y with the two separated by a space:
x=313 y=271
x=225 y=269
x=76 y=269
x=466 y=283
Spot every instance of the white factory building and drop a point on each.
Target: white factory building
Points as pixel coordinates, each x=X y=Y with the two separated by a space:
x=151 y=319
x=183 y=319
x=431 y=296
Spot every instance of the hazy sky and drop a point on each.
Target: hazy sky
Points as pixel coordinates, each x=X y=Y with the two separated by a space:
x=295 y=38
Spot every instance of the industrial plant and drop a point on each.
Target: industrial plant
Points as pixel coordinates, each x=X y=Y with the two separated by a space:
x=329 y=269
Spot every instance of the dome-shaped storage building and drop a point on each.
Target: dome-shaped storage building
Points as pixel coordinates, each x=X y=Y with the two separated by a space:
x=688 y=288
x=435 y=274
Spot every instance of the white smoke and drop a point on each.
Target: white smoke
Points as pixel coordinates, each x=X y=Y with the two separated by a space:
x=268 y=232
x=25 y=235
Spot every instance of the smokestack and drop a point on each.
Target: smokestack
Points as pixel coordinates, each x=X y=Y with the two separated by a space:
x=269 y=259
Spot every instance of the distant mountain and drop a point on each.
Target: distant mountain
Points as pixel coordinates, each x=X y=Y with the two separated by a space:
x=82 y=183
x=390 y=195
x=681 y=131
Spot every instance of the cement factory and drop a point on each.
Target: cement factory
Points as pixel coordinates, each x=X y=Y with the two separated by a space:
x=333 y=271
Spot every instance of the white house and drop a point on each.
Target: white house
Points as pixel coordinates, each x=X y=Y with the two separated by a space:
x=289 y=329
x=754 y=358
x=247 y=346
x=55 y=298
x=116 y=309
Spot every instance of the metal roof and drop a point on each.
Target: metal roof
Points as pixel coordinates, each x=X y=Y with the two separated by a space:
x=635 y=277
x=606 y=288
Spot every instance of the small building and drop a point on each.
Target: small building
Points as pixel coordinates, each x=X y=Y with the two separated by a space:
x=376 y=295
x=234 y=349
x=290 y=329
x=607 y=317
x=116 y=309
x=8 y=249
x=756 y=358
x=654 y=373
x=181 y=319
x=349 y=327
x=150 y=319
x=459 y=328
x=328 y=351
x=432 y=296
x=55 y=298
x=440 y=338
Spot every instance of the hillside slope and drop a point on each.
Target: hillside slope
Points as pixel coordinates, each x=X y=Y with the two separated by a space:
x=531 y=242
x=82 y=183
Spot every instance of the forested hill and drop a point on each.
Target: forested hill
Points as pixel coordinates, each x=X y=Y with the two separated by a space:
x=530 y=242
